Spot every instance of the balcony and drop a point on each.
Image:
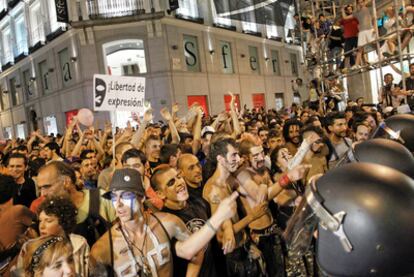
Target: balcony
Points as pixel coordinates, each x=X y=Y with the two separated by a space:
x=101 y=9
x=8 y=57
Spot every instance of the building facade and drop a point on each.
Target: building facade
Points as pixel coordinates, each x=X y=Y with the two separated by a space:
x=187 y=55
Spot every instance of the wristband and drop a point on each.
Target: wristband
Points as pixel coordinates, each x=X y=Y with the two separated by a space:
x=208 y=223
x=284 y=181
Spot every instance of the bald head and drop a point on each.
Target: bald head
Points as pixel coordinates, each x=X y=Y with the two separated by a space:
x=190 y=167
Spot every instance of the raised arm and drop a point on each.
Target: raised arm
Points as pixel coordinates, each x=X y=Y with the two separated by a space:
x=175 y=138
x=234 y=117
x=136 y=138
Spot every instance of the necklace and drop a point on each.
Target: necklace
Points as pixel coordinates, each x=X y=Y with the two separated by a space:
x=144 y=270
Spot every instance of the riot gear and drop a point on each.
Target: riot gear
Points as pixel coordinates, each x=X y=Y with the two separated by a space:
x=398 y=127
x=384 y=152
x=363 y=213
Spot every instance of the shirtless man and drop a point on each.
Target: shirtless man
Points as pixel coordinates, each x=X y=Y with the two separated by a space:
x=141 y=245
x=264 y=230
x=231 y=236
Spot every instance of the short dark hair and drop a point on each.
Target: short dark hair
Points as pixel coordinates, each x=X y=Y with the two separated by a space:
x=162 y=168
x=168 y=150
x=219 y=147
x=62 y=169
x=331 y=117
x=7 y=188
x=53 y=146
x=84 y=154
x=63 y=209
x=133 y=153
x=17 y=156
x=22 y=148
x=152 y=137
x=312 y=128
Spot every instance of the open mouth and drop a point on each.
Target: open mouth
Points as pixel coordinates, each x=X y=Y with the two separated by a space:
x=181 y=189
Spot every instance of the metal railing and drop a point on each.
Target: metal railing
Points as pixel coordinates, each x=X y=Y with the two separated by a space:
x=114 y=8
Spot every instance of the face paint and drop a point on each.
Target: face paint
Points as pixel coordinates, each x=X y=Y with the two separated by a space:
x=128 y=199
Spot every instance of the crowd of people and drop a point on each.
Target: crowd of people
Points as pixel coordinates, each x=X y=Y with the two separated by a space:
x=345 y=39
x=189 y=196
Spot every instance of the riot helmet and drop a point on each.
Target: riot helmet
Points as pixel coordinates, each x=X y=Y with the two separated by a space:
x=363 y=214
x=398 y=127
x=384 y=152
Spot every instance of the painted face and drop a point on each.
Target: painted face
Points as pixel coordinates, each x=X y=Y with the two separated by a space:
x=173 y=186
x=232 y=160
x=126 y=205
x=294 y=134
x=256 y=157
x=283 y=158
x=49 y=225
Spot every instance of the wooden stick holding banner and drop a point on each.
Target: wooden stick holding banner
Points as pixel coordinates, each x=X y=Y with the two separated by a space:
x=118 y=93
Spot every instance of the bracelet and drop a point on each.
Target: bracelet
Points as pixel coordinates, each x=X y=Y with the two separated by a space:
x=208 y=223
x=284 y=181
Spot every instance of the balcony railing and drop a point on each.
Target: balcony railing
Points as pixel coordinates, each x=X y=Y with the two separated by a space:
x=114 y=8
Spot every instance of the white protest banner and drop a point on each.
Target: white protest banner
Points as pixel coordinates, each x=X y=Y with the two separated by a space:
x=119 y=93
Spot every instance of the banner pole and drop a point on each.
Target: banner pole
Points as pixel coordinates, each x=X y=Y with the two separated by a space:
x=113 y=134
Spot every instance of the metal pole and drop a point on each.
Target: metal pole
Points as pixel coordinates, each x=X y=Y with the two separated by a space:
x=399 y=45
x=301 y=33
x=374 y=13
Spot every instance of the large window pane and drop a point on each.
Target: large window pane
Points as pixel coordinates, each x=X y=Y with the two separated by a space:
x=21 y=36
x=188 y=8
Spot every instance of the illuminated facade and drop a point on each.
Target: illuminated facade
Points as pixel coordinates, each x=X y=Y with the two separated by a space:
x=189 y=54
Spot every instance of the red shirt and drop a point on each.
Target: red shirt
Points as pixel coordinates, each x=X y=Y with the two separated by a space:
x=36 y=203
x=350 y=27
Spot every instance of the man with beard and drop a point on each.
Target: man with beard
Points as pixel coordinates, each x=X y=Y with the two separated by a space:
x=361 y=131
x=241 y=256
x=291 y=133
x=316 y=157
x=88 y=171
x=142 y=244
x=52 y=152
x=337 y=128
x=191 y=170
x=264 y=231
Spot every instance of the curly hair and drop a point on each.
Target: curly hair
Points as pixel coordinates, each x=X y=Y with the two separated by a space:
x=63 y=209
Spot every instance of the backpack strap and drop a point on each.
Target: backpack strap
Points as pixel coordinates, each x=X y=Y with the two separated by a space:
x=94 y=202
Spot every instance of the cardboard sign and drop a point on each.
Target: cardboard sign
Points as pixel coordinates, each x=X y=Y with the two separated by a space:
x=119 y=93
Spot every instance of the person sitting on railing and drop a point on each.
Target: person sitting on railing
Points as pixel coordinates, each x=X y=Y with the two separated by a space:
x=390 y=24
x=408 y=22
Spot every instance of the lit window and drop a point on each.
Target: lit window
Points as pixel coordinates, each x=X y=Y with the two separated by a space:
x=21 y=35
x=7 y=45
x=114 y=8
x=221 y=20
x=3 y=5
x=271 y=31
x=188 y=8
x=36 y=24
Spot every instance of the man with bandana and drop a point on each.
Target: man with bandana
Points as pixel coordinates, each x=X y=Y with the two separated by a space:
x=142 y=244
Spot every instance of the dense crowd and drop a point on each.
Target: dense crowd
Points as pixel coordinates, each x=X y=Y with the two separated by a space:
x=185 y=196
x=345 y=40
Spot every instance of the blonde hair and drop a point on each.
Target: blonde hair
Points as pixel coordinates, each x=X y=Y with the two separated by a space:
x=54 y=249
